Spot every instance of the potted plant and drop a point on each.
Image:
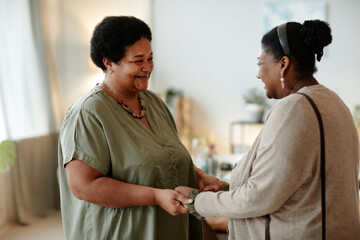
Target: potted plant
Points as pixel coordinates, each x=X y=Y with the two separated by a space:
x=7 y=155
x=256 y=103
x=171 y=94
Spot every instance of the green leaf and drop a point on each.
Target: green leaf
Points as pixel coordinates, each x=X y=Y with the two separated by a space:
x=255 y=95
x=7 y=155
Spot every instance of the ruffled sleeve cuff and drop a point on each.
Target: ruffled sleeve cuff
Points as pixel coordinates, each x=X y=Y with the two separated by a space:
x=191 y=207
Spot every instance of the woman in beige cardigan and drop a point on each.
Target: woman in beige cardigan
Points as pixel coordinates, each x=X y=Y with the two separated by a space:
x=275 y=190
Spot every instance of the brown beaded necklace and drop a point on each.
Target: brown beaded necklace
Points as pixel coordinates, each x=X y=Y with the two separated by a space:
x=126 y=107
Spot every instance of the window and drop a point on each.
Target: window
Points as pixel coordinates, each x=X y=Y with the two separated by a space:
x=3 y=131
x=25 y=107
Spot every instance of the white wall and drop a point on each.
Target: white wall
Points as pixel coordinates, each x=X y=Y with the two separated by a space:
x=77 y=22
x=208 y=49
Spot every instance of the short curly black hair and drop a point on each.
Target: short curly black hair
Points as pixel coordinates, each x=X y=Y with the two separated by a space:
x=305 y=41
x=113 y=34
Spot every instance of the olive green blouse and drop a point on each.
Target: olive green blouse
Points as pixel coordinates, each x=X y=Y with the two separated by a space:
x=99 y=132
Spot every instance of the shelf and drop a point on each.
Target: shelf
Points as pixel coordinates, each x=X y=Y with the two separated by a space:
x=243 y=134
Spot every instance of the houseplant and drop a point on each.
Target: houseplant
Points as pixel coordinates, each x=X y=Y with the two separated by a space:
x=7 y=155
x=256 y=103
x=171 y=94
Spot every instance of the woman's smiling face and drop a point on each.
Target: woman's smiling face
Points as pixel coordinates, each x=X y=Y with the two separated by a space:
x=133 y=71
x=269 y=74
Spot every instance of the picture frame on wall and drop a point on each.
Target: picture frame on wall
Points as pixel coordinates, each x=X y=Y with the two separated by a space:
x=276 y=13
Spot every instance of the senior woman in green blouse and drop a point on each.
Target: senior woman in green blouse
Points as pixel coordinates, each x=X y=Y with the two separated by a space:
x=119 y=152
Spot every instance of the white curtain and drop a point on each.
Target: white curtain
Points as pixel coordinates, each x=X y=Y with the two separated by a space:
x=3 y=129
x=24 y=85
x=27 y=108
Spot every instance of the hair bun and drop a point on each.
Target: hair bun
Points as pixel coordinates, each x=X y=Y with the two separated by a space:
x=317 y=35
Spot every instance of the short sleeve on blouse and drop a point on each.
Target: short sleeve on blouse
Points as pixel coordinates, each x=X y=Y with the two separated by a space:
x=82 y=137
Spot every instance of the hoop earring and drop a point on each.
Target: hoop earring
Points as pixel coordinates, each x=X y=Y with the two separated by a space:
x=282 y=80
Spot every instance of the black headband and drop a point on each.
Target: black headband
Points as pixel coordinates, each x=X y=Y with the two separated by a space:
x=281 y=31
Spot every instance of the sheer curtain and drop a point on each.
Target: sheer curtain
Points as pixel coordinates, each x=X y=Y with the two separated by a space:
x=4 y=178
x=29 y=190
x=3 y=128
x=23 y=72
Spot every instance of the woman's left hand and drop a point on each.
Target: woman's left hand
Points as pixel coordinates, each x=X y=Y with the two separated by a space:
x=184 y=190
x=171 y=201
x=208 y=182
x=216 y=186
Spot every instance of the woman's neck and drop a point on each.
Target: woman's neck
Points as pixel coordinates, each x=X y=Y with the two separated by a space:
x=295 y=85
x=303 y=83
x=121 y=94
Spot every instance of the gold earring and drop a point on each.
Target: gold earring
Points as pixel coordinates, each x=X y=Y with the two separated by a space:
x=282 y=80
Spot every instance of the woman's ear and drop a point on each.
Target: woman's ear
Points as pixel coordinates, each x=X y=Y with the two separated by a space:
x=284 y=61
x=107 y=63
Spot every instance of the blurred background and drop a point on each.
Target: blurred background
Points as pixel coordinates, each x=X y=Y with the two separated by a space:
x=205 y=63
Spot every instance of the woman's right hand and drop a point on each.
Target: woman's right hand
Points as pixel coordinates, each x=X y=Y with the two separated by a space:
x=172 y=201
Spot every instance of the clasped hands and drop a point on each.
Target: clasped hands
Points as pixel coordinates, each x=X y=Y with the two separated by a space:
x=175 y=201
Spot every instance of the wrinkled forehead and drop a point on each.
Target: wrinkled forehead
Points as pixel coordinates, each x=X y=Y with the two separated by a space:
x=262 y=55
x=141 y=47
x=260 y=51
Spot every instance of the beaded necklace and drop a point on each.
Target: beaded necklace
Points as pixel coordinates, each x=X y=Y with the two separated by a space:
x=126 y=107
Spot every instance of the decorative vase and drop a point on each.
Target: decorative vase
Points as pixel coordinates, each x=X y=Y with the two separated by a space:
x=256 y=112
